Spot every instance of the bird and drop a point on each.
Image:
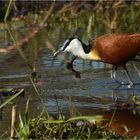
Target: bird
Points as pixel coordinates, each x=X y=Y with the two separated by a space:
x=114 y=48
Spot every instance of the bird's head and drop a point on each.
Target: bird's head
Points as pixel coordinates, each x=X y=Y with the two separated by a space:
x=72 y=45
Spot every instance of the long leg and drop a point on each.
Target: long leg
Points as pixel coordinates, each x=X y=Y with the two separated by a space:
x=70 y=66
x=128 y=76
x=113 y=72
x=135 y=67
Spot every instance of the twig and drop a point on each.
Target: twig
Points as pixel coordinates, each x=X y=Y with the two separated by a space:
x=50 y=46
x=13 y=121
x=31 y=34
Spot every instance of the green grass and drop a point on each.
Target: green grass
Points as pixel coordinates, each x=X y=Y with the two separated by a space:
x=74 y=128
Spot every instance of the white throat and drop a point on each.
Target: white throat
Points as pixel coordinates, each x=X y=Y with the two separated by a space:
x=76 y=48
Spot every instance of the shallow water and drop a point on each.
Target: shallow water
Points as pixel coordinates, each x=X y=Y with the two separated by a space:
x=94 y=93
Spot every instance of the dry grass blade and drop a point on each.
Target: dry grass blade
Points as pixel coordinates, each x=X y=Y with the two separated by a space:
x=11 y=98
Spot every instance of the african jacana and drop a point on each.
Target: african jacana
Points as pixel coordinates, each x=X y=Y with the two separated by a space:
x=116 y=49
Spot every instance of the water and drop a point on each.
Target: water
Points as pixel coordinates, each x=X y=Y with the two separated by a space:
x=93 y=93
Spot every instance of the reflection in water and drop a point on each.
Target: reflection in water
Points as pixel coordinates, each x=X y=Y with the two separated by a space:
x=123 y=116
x=124 y=119
x=124 y=122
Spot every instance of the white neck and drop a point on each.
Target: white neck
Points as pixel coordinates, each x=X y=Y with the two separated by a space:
x=76 y=48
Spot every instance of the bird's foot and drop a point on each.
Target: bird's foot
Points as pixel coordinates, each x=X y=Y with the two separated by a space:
x=130 y=85
x=77 y=74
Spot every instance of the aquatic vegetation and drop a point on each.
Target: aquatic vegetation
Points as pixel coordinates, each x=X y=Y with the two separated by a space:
x=81 y=127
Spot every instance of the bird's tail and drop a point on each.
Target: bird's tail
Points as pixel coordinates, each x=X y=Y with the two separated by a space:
x=136 y=37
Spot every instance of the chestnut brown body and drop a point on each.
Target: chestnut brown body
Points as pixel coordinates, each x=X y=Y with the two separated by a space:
x=117 y=49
